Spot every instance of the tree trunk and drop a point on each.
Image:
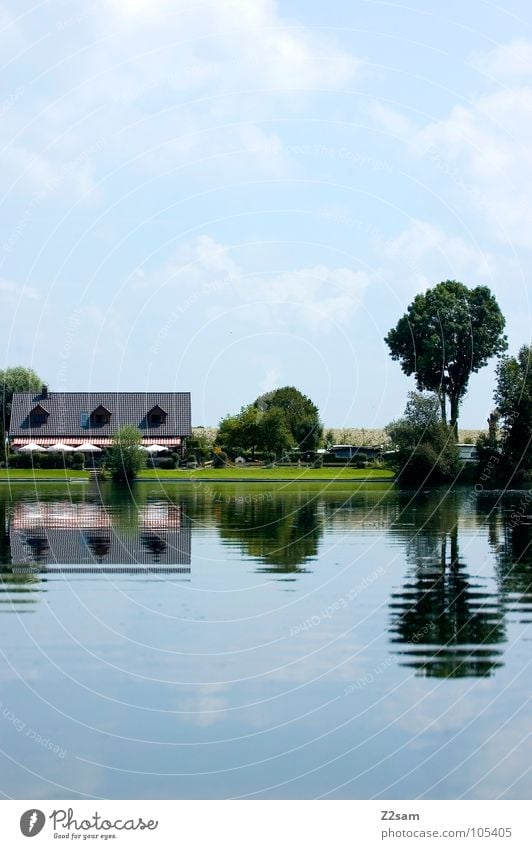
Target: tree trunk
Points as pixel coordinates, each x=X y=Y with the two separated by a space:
x=443 y=403
x=455 y=403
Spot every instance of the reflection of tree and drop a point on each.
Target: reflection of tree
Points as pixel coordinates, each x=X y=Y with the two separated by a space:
x=442 y=624
x=281 y=533
x=5 y=549
x=19 y=589
x=514 y=556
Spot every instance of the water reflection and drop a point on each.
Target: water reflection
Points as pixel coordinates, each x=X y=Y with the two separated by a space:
x=446 y=621
x=449 y=608
x=281 y=533
x=55 y=533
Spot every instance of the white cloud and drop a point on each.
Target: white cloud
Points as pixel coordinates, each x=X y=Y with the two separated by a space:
x=228 y=41
x=12 y=292
x=390 y=119
x=485 y=150
x=160 y=84
x=424 y=254
x=512 y=60
x=317 y=296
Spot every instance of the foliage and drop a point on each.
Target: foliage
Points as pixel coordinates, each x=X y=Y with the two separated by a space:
x=241 y=431
x=166 y=463
x=126 y=458
x=199 y=446
x=15 y=379
x=513 y=397
x=45 y=460
x=448 y=333
x=274 y=434
x=425 y=447
x=328 y=439
x=301 y=415
x=219 y=459
x=272 y=424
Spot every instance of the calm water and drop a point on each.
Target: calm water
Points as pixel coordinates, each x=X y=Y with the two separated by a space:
x=263 y=642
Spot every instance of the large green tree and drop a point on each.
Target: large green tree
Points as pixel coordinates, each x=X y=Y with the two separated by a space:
x=447 y=334
x=275 y=421
x=15 y=379
x=301 y=415
x=513 y=397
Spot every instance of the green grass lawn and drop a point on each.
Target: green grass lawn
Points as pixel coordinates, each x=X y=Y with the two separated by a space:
x=37 y=474
x=283 y=473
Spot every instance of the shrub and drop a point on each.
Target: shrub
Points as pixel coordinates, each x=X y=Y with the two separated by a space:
x=125 y=458
x=167 y=463
x=219 y=459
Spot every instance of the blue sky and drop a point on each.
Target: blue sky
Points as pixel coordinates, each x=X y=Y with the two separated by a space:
x=228 y=196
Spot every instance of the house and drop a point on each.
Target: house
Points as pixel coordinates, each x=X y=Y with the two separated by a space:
x=74 y=418
x=348 y=452
x=467 y=453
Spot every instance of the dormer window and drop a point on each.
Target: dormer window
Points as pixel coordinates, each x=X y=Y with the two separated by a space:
x=38 y=416
x=100 y=416
x=156 y=416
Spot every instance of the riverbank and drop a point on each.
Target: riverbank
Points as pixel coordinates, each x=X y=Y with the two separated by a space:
x=228 y=475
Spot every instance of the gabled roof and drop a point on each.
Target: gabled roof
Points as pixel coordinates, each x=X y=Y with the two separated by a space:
x=66 y=410
x=39 y=409
x=101 y=409
x=157 y=409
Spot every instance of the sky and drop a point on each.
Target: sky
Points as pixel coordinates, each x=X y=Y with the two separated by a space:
x=226 y=196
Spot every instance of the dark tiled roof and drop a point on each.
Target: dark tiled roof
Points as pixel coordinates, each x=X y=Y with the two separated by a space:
x=126 y=408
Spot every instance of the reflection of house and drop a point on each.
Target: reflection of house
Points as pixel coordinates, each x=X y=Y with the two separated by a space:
x=77 y=417
x=88 y=535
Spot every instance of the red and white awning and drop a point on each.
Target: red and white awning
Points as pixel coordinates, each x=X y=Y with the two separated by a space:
x=99 y=441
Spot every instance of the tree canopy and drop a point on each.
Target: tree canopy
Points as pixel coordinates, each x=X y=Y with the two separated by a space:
x=15 y=379
x=447 y=334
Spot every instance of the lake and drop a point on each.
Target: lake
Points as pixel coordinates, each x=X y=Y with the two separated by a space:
x=264 y=641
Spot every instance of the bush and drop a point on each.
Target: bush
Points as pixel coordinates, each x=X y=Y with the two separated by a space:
x=167 y=463
x=76 y=460
x=219 y=459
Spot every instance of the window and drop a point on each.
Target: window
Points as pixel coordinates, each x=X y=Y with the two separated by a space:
x=84 y=419
x=38 y=416
x=156 y=416
x=100 y=416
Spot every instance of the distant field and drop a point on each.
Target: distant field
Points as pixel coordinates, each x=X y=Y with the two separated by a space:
x=351 y=435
